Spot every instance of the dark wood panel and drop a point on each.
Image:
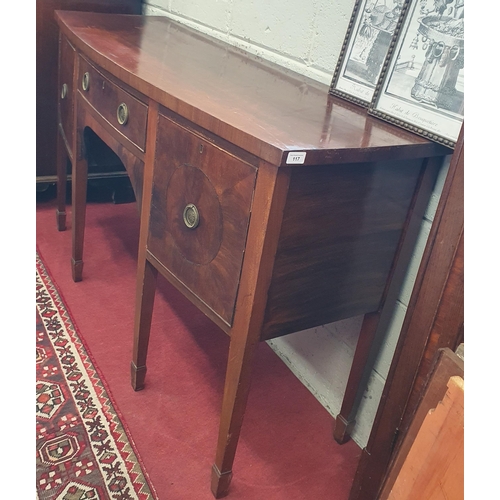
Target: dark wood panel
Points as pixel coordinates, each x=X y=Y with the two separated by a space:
x=448 y=329
x=341 y=230
x=206 y=259
x=435 y=312
x=47 y=88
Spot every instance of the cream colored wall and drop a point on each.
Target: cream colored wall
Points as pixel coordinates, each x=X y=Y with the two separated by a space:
x=306 y=37
x=303 y=36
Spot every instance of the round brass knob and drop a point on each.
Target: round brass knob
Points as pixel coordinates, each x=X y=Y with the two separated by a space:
x=85 y=81
x=191 y=216
x=122 y=113
x=64 y=91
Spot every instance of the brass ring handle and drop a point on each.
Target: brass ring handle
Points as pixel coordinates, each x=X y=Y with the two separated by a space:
x=64 y=91
x=191 y=216
x=122 y=113
x=85 y=81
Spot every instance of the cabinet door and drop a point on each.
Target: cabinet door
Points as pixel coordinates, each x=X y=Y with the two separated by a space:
x=200 y=211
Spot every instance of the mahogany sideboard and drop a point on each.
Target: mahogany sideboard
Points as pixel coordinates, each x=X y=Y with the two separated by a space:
x=271 y=205
x=47 y=87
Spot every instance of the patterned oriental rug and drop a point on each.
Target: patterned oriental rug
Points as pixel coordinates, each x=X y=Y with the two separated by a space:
x=82 y=449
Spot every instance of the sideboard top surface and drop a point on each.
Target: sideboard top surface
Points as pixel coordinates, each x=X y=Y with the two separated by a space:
x=256 y=105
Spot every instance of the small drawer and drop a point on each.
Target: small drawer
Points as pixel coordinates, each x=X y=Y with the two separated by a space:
x=123 y=111
x=200 y=211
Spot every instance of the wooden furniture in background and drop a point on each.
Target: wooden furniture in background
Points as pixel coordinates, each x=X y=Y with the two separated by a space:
x=434 y=466
x=447 y=365
x=47 y=88
x=269 y=204
x=434 y=320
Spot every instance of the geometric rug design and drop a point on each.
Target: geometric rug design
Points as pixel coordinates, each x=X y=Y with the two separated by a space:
x=82 y=449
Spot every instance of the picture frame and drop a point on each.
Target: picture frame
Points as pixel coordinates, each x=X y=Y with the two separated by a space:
x=366 y=44
x=421 y=86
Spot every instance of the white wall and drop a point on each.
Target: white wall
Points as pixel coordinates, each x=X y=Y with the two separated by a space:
x=306 y=36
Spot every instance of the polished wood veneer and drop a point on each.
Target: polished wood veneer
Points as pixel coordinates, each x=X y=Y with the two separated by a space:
x=207 y=259
x=251 y=103
x=271 y=205
x=47 y=86
x=339 y=231
x=105 y=97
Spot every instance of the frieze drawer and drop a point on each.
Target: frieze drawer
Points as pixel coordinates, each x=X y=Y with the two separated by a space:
x=123 y=111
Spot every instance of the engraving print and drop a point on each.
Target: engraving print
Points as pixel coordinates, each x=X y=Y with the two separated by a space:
x=423 y=87
x=366 y=46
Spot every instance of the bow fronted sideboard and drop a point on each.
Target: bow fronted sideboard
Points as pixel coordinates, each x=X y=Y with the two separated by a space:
x=271 y=205
x=47 y=86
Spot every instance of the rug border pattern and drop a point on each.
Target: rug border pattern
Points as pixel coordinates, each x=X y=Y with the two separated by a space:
x=102 y=402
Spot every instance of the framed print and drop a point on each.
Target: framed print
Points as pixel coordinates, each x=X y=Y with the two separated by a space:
x=421 y=87
x=365 y=48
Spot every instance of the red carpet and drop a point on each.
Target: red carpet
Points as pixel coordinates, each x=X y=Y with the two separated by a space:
x=285 y=452
x=83 y=451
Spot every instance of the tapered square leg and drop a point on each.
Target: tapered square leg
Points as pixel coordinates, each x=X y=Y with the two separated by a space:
x=137 y=376
x=62 y=158
x=220 y=482
x=236 y=389
x=79 y=205
x=342 y=429
x=345 y=420
x=77 y=270
x=145 y=294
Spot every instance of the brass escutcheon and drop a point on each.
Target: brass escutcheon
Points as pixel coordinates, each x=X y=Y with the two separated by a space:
x=122 y=113
x=85 y=81
x=191 y=216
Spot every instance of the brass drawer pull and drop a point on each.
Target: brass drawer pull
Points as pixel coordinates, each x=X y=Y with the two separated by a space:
x=191 y=216
x=85 y=81
x=64 y=91
x=122 y=113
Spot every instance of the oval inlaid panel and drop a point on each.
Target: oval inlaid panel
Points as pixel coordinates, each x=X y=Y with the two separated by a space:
x=189 y=185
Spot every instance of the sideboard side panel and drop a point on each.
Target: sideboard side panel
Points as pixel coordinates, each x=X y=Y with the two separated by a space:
x=341 y=230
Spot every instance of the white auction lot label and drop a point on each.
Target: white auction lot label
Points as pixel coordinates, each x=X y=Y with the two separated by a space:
x=296 y=158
